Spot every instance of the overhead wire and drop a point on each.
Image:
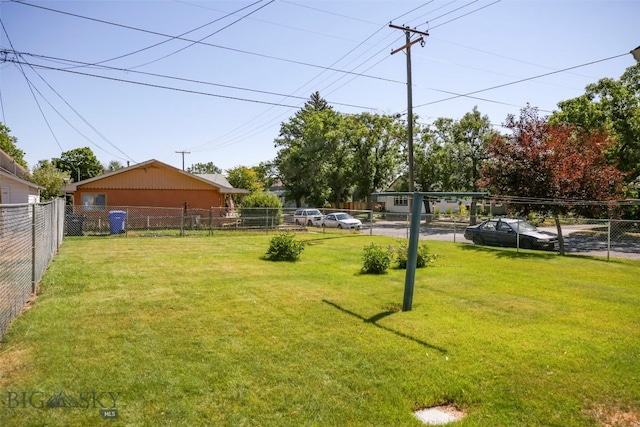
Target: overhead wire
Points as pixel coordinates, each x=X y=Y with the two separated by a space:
x=324 y=68
x=204 y=38
x=466 y=14
x=384 y=58
x=231 y=49
x=145 y=73
x=85 y=121
x=4 y=29
x=266 y=124
x=522 y=80
x=372 y=66
x=174 y=37
x=69 y=123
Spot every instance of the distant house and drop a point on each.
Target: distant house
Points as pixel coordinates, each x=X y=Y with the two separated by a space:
x=151 y=184
x=442 y=203
x=14 y=187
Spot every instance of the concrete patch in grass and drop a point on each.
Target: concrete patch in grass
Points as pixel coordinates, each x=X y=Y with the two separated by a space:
x=439 y=415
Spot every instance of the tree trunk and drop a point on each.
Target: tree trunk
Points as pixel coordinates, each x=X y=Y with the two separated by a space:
x=427 y=206
x=556 y=218
x=472 y=212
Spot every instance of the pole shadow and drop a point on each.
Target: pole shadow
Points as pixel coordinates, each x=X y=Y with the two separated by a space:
x=374 y=319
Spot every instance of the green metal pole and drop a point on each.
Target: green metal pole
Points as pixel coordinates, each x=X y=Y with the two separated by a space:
x=412 y=255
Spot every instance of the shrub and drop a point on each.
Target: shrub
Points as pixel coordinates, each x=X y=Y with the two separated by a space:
x=282 y=247
x=376 y=259
x=423 y=259
x=261 y=210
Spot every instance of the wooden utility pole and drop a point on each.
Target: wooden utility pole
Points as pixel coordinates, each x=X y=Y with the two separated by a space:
x=408 y=33
x=183 y=153
x=415 y=201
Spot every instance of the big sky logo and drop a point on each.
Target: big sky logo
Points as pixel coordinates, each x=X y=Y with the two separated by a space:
x=39 y=399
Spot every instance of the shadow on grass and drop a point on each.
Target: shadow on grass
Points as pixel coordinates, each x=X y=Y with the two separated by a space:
x=374 y=319
x=324 y=237
x=503 y=252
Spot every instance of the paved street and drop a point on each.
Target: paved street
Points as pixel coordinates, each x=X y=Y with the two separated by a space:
x=575 y=242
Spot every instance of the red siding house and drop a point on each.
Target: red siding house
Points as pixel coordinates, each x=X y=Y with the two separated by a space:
x=151 y=184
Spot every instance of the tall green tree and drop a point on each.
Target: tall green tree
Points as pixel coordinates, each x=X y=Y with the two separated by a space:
x=81 y=163
x=546 y=162
x=267 y=173
x=51 y=178
x=435 y=168
x=376 y=143
x=208 y=167
x=471 y=134
x=9 y=144
x=301 y=159
x=337 y=158
x=450 y=154
x=611 y=106
x=244 y=177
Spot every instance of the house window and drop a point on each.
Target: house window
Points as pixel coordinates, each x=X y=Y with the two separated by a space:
x=94 y=202
x=400 y=200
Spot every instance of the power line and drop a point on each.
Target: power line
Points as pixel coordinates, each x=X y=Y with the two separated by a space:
x=204 y=38
x=275 y=58
x=383 y=58
x=328 y=12
x=31 y=87
x=466 y=14
x=67 y=70
x=173 y=38
x=127 y=70
x=523 y=80
x=85 y=121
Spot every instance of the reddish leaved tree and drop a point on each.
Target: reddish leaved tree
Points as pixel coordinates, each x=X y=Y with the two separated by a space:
x=559 y=167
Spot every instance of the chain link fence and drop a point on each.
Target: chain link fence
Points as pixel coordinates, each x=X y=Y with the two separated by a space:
x=129 y=221
x=596 y=237
x=30 y=235
x=607 y=238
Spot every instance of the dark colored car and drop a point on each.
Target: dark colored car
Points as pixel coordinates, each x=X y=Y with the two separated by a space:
x=507 y=231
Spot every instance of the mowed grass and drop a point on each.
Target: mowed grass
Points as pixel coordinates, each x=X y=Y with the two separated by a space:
x=203 y=332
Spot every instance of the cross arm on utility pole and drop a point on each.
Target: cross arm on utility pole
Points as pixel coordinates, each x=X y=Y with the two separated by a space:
x=412 y=30
x=408 y=45
x=183 y=153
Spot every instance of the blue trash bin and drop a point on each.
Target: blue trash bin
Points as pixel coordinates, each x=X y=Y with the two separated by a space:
x=116 y=221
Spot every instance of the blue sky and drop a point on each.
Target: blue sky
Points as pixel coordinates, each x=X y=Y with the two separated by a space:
x=154 y=91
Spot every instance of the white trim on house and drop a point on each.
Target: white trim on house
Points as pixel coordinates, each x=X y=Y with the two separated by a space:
x=15 y=190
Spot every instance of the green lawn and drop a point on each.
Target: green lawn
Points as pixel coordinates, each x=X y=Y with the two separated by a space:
x=203 y=332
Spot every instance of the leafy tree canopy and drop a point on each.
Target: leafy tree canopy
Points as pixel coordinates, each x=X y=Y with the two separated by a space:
x=208 y=167
x=303 y=143
x=244 y=177
x=552 y=162
x=610 y=106
x=81 y=163
x=8 y=144
x=267 y=173
x=114 y=165
x=376 y=143
x=52 y=179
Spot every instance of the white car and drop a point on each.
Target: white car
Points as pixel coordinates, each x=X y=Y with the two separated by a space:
x=308 y=217
x=341 y=220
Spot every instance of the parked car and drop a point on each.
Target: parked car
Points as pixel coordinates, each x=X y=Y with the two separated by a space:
x=504 y=232
x=341 y=220
x=308 y=217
